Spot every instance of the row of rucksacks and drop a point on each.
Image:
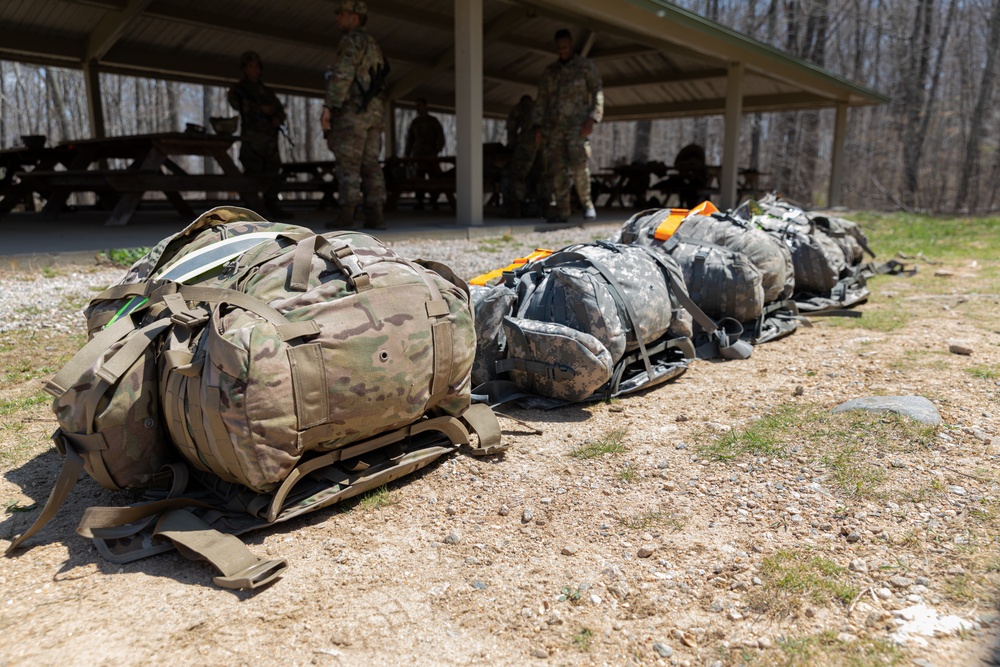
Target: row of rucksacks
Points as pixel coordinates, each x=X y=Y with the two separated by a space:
x=598 y=320
x=245 y=372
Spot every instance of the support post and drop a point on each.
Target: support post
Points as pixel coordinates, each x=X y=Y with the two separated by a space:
x=469 y=110
x=837 y=163
x=95 y=108
x=731 y=143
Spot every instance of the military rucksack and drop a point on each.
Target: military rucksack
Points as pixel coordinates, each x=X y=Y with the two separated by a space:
x=291 y=371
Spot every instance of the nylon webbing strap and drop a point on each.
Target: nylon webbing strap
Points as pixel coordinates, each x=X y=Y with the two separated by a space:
x=103 y=522
x=302 y=264
x=240 y=568
x=484 y=424
x=71 y=469
x=706 y=322
x=549 y=371
x=87 y=357
x=123 y=359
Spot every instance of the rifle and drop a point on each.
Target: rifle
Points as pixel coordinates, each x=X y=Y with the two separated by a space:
x=283 y=128
x=378 y=78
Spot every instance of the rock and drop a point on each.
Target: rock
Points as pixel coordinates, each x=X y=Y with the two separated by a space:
x=685 y=638
x=858 y=565
x=646 y=550
x=853 y=537
x=453 y=538
x=681 y=418
x=716 y=606
x=899 y=581
x=478 y=585
x=798 y=391
x=922 y=581
x=921 y=662
x=527 y=516
x=595 y=599
x=943 y=273
x=539 y=653
x=669 y=486
x=764 y=642
x=663 y=650
x=451 y=510
x=846 y=637
x=917 y=408
x=734 y=615
x=681 y=445
x=504 y=510
x=620 y=590
x=810 y=612
x=959 y=347
x=569 y=550
x=884 y=593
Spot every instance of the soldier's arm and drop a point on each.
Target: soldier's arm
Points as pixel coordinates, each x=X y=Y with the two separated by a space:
x=438 y=136
x=342 y=74
x=235 y=100
x=542 y=103
x=596 y=88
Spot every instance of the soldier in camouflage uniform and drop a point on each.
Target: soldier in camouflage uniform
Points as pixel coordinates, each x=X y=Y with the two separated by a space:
x=261 y=116
x=353 y=128
x=570 y=101
x=425 y=140
x=521 y=141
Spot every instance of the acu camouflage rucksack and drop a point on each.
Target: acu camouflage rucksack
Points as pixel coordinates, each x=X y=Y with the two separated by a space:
x=247 y=372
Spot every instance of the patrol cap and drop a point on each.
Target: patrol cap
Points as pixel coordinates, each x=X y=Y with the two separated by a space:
x=250 y=57
x=356 y=6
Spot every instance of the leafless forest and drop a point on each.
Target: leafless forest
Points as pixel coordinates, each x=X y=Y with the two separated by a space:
x=934 y=147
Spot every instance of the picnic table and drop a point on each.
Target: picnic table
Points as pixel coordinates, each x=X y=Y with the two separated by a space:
x=150 y=168
x=420 y=175
x=13 y=160
x=312 y=176
x=633 y=182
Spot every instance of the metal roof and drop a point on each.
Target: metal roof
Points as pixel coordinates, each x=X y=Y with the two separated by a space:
x=657 y=60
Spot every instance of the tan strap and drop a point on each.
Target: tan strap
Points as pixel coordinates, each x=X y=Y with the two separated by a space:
x=483 y=422
x=88 y=355
x=99 y=522
x=302 y=263
x=240 y=568
x=71 y=469
x=89 y=446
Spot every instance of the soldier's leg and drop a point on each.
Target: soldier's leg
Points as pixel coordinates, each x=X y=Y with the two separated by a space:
x=347 y=145
x=372 y=177
x=579 y=159
x=559 y=171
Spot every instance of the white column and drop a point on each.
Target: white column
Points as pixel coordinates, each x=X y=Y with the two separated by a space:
x=469 y=110
x=837 y=164
x=95 y=109
x=731 y=143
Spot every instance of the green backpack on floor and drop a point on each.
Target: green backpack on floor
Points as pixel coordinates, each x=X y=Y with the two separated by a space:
x=248 y=372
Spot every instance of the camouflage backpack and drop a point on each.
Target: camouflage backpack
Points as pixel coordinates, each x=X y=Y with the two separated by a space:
x=298 y=372
x=590 y=322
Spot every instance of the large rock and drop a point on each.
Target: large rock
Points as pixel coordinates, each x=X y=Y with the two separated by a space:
x=917 y=408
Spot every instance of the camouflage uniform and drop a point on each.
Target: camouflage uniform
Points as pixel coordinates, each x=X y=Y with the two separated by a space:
x=521 y=139
x=569 y=93
x=425 y=137
x=258 y=134
x=355 y=136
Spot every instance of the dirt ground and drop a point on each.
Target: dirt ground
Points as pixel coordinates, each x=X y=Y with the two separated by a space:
x=723 y=519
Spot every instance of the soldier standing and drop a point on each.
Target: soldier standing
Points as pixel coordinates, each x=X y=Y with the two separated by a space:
x=425 y=140
x=261 y=117
x=352 y=117
x=524 y=152
x=570 y=101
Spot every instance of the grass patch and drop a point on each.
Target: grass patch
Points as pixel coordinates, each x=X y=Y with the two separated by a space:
x=790 y=577
x=612 y=442
x=50 y=272
x=826 y=649
x=855 y=476
x=124 y=257
x=496 y=243
x=377 y=499
x=873 y=319
x=628 y=474
x=583 y=639
x=984 y=372
x=10 y=406
x=653 y=519
x=764 y=437
x=937 y=237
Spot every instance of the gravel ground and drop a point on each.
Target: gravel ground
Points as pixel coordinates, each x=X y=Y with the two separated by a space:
x=858 y=543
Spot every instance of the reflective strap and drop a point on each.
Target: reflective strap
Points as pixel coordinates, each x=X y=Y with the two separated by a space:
x=71 y=469
x=240 y=568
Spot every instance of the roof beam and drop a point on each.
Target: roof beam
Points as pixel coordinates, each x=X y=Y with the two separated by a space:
x=445 y=61
x=410 y=14
x=622 y=52
x=658 y=79
x=752 y=104
x=259 y=29
x=19 y=45
x=111 y=28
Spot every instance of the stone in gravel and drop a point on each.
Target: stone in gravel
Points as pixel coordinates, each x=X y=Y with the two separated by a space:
x=527 y=516
x=646 y=550
x=452 y=510
x=959 y=347
x=595 y=599
x=504 y=510
x=569 y=550
x=853 y=537
x=453 y=538
x=921 y=662
x=798 y=391
x=943 y=273
x=846 y=637
x=539 y=653
x=663 y=650
x=527 y=612
x=681 y=418
x=858 y=565
x=669 y=486
x=478 y=585
x=681 y=445
x=884 y=593
x=810 y=612
x=546 y=501
x=917 y=408
x=922 y=581
x=764 y=642
x=899 y=581
x=734 y=615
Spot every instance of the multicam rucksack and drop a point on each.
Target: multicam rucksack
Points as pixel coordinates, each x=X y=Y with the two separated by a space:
x=298 y=371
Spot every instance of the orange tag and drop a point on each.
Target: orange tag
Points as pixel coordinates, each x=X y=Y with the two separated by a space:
x=669 y=226
x=487 y=278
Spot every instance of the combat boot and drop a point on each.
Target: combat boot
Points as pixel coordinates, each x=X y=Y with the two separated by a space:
x=373 y=217
x=345 y=218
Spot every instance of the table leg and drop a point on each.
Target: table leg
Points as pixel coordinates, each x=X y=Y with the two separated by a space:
x=129 y=202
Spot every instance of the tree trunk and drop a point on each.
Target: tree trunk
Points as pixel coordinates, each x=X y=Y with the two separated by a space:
x=970 y=167
x=643 y=130
x=54 y=86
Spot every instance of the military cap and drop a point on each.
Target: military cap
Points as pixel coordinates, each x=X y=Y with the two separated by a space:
x=356 y=6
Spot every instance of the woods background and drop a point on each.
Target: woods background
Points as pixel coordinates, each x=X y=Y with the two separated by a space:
x=934 y=147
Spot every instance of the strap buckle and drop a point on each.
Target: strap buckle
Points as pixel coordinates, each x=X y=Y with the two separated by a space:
x=189 y=319
x=257 y=575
